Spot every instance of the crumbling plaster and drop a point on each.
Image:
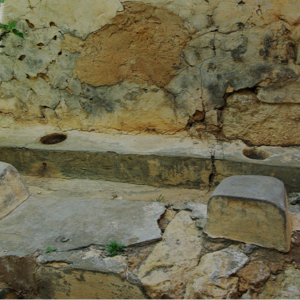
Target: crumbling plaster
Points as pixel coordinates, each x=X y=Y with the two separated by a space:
x=155 y=66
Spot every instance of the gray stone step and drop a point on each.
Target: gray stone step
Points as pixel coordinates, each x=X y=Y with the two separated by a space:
x=174 y=161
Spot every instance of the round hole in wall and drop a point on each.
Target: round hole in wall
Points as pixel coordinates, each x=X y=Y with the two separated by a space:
x=254 y=153
x=53 y=138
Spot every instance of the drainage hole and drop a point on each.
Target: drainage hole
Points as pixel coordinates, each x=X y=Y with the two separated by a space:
x=53 y=138
x=254 y=153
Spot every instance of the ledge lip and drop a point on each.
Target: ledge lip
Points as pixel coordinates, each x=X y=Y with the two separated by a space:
x=253 y=187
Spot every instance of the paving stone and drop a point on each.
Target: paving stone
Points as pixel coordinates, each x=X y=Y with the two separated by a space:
x=250 y=209
x=13 y=190
x=75 y=222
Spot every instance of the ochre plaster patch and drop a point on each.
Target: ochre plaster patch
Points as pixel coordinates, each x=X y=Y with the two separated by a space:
x=143 y=44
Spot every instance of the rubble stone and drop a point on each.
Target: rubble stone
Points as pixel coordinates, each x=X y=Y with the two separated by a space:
x=167 y=269
x=212 y=278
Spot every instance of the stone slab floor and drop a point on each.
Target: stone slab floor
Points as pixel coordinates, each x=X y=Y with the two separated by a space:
x=168 y=254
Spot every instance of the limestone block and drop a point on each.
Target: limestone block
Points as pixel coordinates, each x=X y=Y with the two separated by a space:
x=12 y=189
x=289 y=93
x=250 y=209
x=138 y=108
x=261 y=123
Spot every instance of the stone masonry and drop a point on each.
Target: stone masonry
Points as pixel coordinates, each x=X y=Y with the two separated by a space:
x=166 y=67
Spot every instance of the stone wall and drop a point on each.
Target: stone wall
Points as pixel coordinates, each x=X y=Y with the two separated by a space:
x=209 y=68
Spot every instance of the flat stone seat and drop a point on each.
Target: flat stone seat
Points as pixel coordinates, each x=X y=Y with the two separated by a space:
x=250 y=209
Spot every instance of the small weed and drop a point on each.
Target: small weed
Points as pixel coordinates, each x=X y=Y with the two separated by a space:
x=114 y=248
x=50 y=250
x=161 y=198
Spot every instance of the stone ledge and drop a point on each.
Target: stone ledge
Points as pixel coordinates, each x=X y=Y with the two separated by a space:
x=145 y=159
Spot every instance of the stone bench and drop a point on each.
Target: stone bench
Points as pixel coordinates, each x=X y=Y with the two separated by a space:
x=250 y=209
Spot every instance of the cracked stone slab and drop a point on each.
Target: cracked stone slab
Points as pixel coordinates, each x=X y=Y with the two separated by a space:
x=118 y=143
x=76 y=222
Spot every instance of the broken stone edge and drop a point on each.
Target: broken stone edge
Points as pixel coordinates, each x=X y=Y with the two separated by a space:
x=13 y=189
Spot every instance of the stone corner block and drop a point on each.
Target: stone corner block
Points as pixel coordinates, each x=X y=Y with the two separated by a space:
x=250 y=209
x=13 y=190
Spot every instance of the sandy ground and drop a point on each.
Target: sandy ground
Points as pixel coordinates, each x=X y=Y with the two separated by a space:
x=113 y=190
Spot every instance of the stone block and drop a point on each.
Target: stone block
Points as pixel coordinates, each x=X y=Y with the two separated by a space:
x=250 y=209
x=13 y=190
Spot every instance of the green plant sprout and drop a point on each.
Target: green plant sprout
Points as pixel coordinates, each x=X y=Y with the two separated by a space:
x=114 y=248
x=9 y=28
x=161 y=198
x=49 y=249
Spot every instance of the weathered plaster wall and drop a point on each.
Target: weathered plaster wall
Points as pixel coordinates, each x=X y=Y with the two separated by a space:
x=209 y=68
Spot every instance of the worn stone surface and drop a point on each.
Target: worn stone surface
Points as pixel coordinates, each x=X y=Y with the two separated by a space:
x=83 y=284
x=126 y=107
x=250 y=209
x=262 y=123
x=77 y=274
x=285 y=285
x=114 y=158
x=166 y=270
x=40 y=230
x=214 y=244
x=239 y=159
x=18 y=274
x=13 y=190
x=144 y=159
x=69 y=18
x=220 y=274
x=212 y=278
x=113 y=190
x=253 y=276
x=157 y=66
x=135 y=48
x=199 y=213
